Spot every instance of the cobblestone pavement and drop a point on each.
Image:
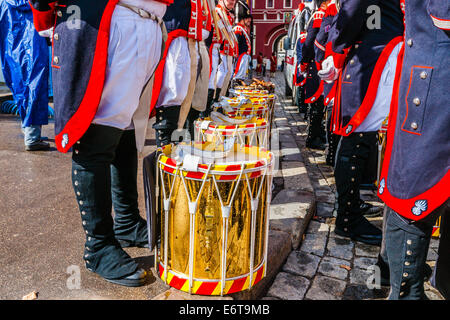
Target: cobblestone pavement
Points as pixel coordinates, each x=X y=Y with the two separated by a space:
x=325 y=266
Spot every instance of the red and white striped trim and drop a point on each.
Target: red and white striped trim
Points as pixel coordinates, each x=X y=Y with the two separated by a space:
x=441 y=23
x=318 y=45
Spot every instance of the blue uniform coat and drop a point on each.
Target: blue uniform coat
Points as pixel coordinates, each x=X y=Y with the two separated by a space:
x=313 y=85
x=79 y=60
x=320 y=49
x=361 y=49
x=415 y=175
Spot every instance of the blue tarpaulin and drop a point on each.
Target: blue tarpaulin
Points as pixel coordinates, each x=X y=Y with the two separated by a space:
x=25 y=61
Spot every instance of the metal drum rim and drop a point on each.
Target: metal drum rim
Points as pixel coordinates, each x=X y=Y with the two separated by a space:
x=184 y=277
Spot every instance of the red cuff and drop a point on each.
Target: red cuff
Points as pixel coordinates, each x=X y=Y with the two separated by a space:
x=339 y=58
x=168 y=2
x=303 y=67
x=44 y=20
x=317 y=23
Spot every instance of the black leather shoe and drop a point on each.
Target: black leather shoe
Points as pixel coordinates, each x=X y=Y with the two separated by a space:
x=316 y=143
x=302 y=109
x=38 y=146
x=136 y=279
x=427 y=271
x=370 y=210
x=370 y=239
x=361 y=230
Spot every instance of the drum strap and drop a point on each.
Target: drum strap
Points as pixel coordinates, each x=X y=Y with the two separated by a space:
x=142 y=114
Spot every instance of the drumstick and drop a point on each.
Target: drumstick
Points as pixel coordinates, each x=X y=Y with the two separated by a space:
x=227 y=27
x=207 y=4
x=216 y=19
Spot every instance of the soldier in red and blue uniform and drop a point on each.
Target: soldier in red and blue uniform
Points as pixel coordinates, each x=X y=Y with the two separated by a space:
x=363 y=54
x=214 y=43
x=104 y=54
x=175 y=77
x=314 y=85
x=415 y=179
x=227 y=50
x=298 y=79
x=329 y=88
x=242 y=32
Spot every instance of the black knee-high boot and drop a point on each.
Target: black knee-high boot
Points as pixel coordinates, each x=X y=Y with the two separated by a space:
x=91 y=178
x=332 y=139
x=316 y=130
x=208 y=110
x=192 y=116
x=302 y=106
x=407 y=245
x=129 y=228
x=351 y=157
x=166 y=123
x=217 y=94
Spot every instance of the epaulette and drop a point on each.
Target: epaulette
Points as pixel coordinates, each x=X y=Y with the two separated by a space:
x=317 y=18
x=331 y=9
x=302 y=37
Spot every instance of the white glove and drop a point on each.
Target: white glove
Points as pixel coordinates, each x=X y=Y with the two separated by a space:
x=47 y=33
x=329 y=72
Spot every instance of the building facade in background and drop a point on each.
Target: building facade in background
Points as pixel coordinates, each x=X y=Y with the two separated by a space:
x=270 y=21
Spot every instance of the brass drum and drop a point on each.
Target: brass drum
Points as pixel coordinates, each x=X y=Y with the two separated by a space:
x=221 y=129
x=263 y=95
x=214 y=215
x=244 y=107
x=437 y=228
x=245 y=90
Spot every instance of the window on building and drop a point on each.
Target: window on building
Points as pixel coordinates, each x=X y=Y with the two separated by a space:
x=269 y=3
x=288 y=3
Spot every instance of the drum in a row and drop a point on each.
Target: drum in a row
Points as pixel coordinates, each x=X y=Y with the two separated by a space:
x=215 y=205
x=213 y=198
x=221 y=129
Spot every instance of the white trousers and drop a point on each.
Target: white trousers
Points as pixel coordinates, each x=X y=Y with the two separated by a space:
x=134 y=51
x=382 y=103
x=214 y=66
x=243 y=67
x=176 y=74
x=223 y=70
